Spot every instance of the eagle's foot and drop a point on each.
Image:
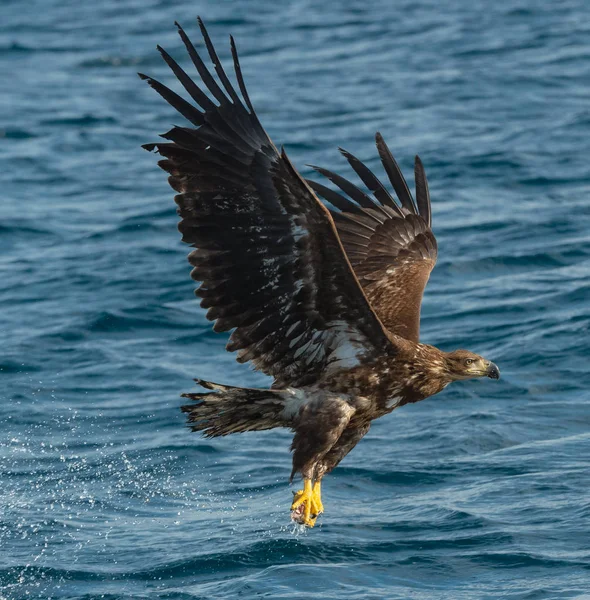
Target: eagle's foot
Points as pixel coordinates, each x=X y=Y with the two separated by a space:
x=307 y=504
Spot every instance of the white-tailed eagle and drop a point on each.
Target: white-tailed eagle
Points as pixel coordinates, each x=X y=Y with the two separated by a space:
x=325 y=301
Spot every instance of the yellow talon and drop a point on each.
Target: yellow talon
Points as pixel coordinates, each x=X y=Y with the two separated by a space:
x=317 y=496
x=307 y=504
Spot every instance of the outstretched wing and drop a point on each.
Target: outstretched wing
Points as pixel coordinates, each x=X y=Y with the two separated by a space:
x=272 y=265
x=389 y=244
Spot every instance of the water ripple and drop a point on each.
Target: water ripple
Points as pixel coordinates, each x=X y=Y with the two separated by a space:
x=478 y=493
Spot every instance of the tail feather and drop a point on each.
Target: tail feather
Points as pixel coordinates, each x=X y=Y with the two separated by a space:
x=226 y=409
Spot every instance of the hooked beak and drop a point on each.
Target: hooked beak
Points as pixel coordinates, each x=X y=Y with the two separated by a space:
x=492 y=371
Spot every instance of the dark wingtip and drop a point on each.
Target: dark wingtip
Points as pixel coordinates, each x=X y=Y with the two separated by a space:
x=422 y=191
x=149 y=147
x=203 y=383
x=142 y=76
x=239 y=75
x=320 y=170
x=380 y=143
x=395 y=175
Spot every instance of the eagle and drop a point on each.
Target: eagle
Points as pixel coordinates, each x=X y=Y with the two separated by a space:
x=321 y=295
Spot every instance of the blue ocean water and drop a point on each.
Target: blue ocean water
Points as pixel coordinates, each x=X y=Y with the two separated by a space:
x=478 y=493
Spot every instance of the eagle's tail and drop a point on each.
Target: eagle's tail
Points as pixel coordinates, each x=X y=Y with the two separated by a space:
x=226 y=409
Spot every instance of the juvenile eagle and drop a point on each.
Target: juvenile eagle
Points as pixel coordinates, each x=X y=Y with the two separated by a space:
x=325 y=301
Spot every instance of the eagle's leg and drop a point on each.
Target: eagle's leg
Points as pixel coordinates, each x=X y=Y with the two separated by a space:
x=347 y=441
x=319 y=425
x=316 y=492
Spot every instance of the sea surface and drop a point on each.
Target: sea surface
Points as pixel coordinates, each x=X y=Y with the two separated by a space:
x=481 y=492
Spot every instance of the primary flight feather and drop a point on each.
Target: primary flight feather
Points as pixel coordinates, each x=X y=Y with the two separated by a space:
x=325 y=301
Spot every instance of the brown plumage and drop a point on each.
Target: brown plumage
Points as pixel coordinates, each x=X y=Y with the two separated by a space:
x=391 y=248
x=327 y=302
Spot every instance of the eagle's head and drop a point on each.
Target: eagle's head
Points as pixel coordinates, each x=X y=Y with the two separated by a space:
x=462 y=364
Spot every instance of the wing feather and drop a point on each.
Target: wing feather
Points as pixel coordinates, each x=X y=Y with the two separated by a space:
x=267 y=252
x=349 y=188
x=422 y=192
x=392 y=250
x=395 y=175
x=368 y=178
x=229 y=88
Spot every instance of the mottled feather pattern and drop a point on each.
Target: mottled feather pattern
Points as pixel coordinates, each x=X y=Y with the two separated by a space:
x=271 y=264
x=310 y=442
x=325 y=302
x=226 y=409
x=349 y=438
x=390 y=246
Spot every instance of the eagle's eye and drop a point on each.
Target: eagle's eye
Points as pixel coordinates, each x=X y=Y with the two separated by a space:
x=469 y=362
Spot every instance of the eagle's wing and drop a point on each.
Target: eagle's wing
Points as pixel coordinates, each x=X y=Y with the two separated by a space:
x=272 y=265
x=389 y=244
